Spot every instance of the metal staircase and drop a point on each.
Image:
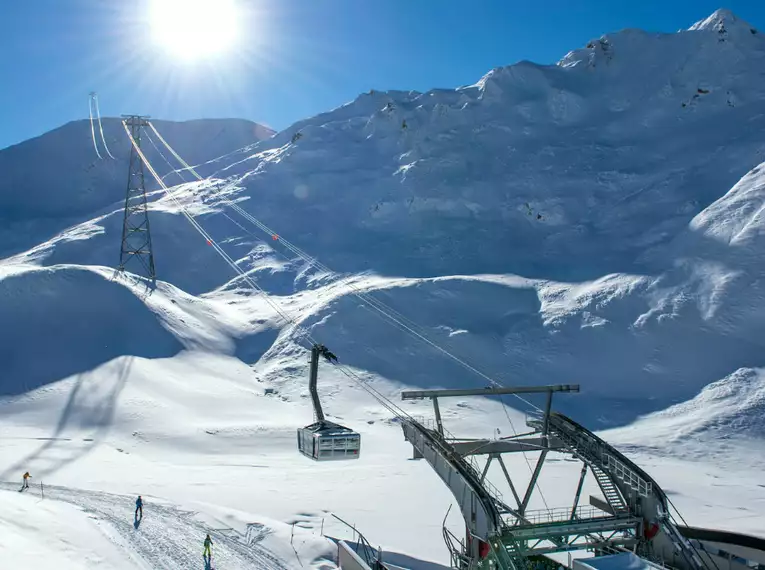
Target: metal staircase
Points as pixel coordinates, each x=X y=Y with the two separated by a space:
x=614 y=472
x=610 y=491
x=634 y=515
x=602 y=460
x=510 y=555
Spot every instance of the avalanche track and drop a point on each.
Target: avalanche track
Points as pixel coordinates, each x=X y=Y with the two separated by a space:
x=167 y=537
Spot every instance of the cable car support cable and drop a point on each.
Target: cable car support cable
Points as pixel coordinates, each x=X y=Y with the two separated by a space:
x=303 y=332
x=387 y=311
x=92 y=127
x=100 y=126
x=412 y=427
x=383 y=310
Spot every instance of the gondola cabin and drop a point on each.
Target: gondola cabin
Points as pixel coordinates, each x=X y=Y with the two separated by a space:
x=324 y=440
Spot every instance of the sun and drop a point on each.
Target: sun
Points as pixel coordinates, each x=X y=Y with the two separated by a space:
x=194 y=29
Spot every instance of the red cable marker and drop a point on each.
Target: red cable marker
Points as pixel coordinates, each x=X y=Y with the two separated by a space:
x=275 y=237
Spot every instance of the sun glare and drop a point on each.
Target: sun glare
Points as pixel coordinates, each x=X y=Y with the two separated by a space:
x=194 y=29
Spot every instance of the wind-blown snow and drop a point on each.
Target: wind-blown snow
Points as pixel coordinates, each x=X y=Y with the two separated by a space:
x=732 y=406
x=599 y=221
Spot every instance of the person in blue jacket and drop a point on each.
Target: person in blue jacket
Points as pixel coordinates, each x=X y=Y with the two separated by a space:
x=139 y=506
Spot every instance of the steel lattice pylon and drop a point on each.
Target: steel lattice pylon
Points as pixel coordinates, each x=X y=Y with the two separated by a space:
x=136 y=235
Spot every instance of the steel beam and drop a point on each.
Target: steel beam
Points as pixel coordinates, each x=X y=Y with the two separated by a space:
x=494 y=446
x=437 y=411
x=579 y=490
x=486 y=468
x=548 y=407
x=509 y=481
x=141 y=118
x=582 y=526
x=533 y=481
x=421 y=394
x=624 y=542
x=602 y=505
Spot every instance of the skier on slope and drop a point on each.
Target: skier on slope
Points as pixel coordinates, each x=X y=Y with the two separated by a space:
x=208 y=543
x=25 y=485
x=139 y=506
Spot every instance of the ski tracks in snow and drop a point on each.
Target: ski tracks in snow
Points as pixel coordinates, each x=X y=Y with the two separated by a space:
x=167 y=538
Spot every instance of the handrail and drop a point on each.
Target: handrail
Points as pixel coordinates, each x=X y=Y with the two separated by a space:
x=631 y=474
x=560 y=515
x=490 y=518
x=613 y=455
x=429 y=424
x=369 y=553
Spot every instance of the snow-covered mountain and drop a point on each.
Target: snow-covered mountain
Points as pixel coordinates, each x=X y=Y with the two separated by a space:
x=601 y=181
x=55 y=180
x=599 y=221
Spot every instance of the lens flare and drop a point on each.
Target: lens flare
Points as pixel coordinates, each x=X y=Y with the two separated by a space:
x=195 y=29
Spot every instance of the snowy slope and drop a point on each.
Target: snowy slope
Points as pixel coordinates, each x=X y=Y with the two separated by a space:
x=200 y=431
x=731 y=408
x=459 y=190
x=52 y=536
x=68 y=528
x=595 y=222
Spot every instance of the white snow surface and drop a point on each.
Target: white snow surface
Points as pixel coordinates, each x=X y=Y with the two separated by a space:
x=51 y=535
x=599 y=221
x=55 y=527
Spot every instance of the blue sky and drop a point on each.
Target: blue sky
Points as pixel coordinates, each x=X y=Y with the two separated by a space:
x=296 y=58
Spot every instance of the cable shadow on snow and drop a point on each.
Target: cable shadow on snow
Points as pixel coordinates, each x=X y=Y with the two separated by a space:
x=91 y=405
x=64 y=321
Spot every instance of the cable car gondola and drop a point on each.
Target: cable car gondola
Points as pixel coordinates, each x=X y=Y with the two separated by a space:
x=324 y=440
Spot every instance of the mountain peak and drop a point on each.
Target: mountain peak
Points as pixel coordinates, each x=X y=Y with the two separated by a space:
x=723 y=21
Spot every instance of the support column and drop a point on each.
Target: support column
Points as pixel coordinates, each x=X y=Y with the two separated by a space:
x=545 y=426
x=439 y=424
x=533 y=482
x=136 y=237
x=312 y=381
x=486 y=468
x=509 y=481
x=579 y=490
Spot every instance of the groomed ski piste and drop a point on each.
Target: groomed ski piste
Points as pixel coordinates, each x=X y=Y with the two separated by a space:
x=645 y=287
x=95 y=530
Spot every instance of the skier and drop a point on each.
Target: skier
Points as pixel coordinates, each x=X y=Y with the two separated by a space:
x=138 y=506
x=207 y=552
x=26 y=481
